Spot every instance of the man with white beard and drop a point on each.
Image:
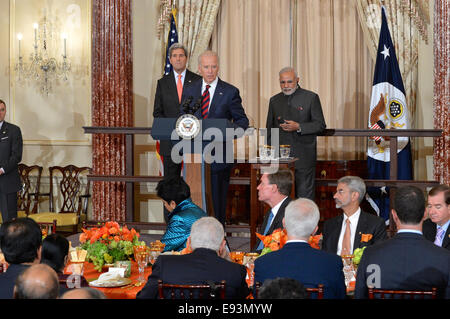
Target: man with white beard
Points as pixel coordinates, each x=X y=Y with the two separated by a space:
x=354 y=228
x=297 y=113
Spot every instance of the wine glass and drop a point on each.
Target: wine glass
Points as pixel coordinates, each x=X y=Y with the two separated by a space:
x=141 y=259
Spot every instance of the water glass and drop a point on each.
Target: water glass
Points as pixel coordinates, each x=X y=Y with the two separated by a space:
x=285 y=151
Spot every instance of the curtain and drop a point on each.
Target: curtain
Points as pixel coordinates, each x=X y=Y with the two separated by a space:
x=322 y=39
x=442 y=91
x=333 y=61
x=196 y=20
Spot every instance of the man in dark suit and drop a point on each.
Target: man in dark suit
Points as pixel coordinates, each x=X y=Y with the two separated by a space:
x=274 y=190
x=297 y=259
x=219 y=100
x=298 y=113
x=10 y=157
x=21 y=243
x=353 y=229
x=407 y=261
x=168 y=99
x=206 y=263
x=436 y=227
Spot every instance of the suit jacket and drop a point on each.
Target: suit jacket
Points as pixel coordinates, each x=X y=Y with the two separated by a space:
x=8 y=280
x=196 y=268
x=429 y=232
x=277 y=221
x=367 y=224
x=405 y=262
x=307 y=265
x=10 y=157
x=166 y=101
x=226 y=104
x=304 y=107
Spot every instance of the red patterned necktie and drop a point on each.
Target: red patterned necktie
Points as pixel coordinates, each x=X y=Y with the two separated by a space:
x=205 y=102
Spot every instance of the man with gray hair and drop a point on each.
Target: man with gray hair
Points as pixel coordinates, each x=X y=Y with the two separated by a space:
x=297 y=259
x=297 y=113
x=205 y=264
x=354 y=228
x=39 y=281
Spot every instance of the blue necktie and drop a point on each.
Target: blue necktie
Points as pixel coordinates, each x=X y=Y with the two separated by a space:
x=439 y=235
x=269 y=221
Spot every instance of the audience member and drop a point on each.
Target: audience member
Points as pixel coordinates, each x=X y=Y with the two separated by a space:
x=202 y=265
x=39 y=281
x=176 y=194
x=354 y=228
x=20 y=242
x=83 y=293
x=274 y=190
x=297 y=259
x=55 y=253
x=407 y=261
x=435 y=228
x=282 y=288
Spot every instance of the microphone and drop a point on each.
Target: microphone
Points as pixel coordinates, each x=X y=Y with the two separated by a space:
x=187 y=104
x=197 y=105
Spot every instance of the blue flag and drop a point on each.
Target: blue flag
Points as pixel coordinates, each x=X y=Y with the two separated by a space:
x=388 y=110
x=171 y=39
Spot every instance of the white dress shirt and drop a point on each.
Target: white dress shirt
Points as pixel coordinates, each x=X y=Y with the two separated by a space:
x=212 y=89
x=183 y=76
x=276 y=208
x=353 y=223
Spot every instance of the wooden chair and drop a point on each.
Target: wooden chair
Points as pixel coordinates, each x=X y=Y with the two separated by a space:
x=205 y=291
x=74 y=201
x=27 y=197
x=402 y=294
x=309 y=291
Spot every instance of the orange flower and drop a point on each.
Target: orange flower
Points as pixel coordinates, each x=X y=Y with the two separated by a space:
x=116 y=238
x=274 y=241
x=186 y=251
x=314 y=241
x=274 y=246
x=366 y=237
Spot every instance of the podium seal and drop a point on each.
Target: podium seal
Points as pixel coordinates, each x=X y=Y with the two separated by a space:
x=187 y=126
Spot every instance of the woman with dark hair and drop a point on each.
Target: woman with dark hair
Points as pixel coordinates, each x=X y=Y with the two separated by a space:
x=176 y=196
x=55 y=253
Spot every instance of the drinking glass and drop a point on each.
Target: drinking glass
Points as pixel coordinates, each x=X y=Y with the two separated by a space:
x=154 y=253
x=141 y=259
x=285 y=151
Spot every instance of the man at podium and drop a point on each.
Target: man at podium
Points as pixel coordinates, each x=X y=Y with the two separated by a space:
x=219 y=100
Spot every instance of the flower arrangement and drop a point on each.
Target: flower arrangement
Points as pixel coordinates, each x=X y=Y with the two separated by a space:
x=109 y=243
x=278 y=238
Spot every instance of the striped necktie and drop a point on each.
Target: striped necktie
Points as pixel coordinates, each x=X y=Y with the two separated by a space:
x=439 y=234
x=205 y=102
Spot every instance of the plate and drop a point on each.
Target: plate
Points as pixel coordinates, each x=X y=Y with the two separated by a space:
x=117 y=282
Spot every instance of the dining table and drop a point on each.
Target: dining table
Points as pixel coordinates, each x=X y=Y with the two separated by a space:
x=128 y=291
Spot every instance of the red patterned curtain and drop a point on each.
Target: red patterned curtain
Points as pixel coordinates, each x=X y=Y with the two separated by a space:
x=442 y=90
x=112 y=104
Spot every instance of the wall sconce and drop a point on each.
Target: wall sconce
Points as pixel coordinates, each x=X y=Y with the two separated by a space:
x=43 y=68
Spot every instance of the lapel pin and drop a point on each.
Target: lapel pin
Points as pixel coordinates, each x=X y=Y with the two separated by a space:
x=220 y=93
x=300 y=108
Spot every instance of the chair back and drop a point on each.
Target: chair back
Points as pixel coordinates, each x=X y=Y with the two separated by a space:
x=402 y=294
x=200 y=291
x=73 y=199
x=318 y=291
x=27 y=197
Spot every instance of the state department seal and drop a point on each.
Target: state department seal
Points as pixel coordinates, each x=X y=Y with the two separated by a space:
x=187 y=126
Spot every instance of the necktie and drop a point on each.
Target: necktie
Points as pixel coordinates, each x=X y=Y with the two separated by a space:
x=179 y=87
x=269 y=222
x=205 y=102
x=346 y=244
x=439 y=235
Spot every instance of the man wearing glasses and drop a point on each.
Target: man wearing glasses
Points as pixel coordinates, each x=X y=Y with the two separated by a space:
x=354 y=228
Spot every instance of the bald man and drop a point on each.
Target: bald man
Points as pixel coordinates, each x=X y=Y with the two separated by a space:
x=39 y=281
x=84 y=293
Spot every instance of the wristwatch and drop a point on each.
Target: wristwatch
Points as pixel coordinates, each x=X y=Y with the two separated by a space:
x=299 y=129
